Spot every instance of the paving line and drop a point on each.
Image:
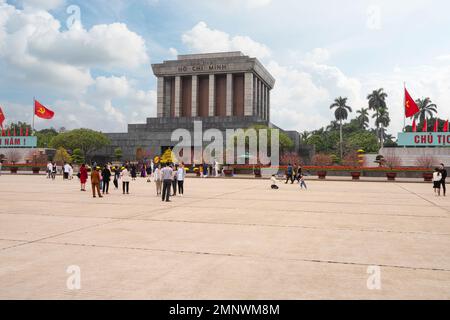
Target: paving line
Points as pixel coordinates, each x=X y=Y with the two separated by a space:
x=232 y=255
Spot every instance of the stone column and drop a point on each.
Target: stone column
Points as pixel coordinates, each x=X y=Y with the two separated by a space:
x=177 y=96
x=248 y=94
x=260 y=98
x=229 y=94
x=212 y=95
x=194 y=96
x=268 y=105
x=160 y=99
x=264 y=97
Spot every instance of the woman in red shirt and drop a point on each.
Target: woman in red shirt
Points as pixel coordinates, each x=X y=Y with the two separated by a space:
x=83 y=177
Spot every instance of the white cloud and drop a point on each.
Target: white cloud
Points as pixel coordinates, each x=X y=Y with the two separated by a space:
x=39 y=58
x=203 y=39
x=42 y=4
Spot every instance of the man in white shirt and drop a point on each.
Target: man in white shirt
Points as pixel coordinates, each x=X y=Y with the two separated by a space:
x=167 y=177
x=158 y=180
x=49 y=170
x=181 y=175
x=66 y=170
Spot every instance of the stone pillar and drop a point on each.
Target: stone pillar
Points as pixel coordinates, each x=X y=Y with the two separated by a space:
x=167 y=100
x=229 y=94
x=212 y=95
x=160 y=100
x=268 y=105
x=248 y=94
x=260 y=98
x=194 y=96
x=177 y=96
x=264 y=92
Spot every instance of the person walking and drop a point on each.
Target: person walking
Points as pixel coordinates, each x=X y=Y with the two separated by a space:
x=181 y=175
x=49 y=170
x=289 y=174
x=54 y=170
x=167 y=176
x=157 y=175
x=437 y=178
x=125 y=177
x=444 y=177
x=66 y=170
x=133 y=172
x=174 y=180
x=95 y=181
x=302 y=182
x=116 y=171
x=299 y=172
x=106 y=175
x=83 y=177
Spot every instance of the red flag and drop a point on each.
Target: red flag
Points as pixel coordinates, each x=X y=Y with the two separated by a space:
x=21 y=131
x=425 y=126
x=3 y=132
x=27 y=133
x=9 y=132
x=42 y=111
x=411 y=107
x=436 y=126
x=14 y=132
x=414 y=126
x=2 y=117
x=445 y=126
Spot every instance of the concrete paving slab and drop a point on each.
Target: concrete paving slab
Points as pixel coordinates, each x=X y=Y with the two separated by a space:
x=225 y=239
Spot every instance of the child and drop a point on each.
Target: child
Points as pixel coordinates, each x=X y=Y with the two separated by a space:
x=437 y=177
x=274 y=183
x=302 y=182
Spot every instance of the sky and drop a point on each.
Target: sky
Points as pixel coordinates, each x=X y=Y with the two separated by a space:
x=90 y=61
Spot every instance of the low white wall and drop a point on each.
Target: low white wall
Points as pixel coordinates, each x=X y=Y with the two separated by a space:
x=409 y=156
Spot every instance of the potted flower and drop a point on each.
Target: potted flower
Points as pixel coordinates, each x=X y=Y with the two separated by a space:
x=197 y=171
x=38 y=158
x=352 y=160
x=426 y=162
x=257 y=172
x=322 y=160
x=13 y=156
x=392 y=161
x=228 y=171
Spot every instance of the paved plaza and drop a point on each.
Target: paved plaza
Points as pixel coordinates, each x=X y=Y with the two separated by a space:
x=225 y=239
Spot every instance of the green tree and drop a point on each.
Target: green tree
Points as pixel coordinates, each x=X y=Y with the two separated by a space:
x=118 y=154
x=427 y=109
x=17 y=126
x=377 y=103
x=62 y=156
x=286 y=143
x=382 y=121
x=88 y=141
x=78 y=157
x=363 y=118
x=45 y=136
x=341 y=113
x=362 y=140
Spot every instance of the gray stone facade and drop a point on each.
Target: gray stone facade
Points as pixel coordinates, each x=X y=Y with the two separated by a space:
x=180 y=91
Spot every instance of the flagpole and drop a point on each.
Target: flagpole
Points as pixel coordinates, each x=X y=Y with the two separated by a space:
x=404 y=106
x=34 y=112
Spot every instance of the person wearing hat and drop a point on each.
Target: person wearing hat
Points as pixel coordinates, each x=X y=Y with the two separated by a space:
x=125 y=176
x=95 y=181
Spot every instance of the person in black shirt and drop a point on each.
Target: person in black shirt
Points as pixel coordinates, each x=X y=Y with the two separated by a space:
x=444 y=176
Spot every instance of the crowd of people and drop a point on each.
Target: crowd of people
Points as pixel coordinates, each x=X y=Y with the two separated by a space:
x=294 y=174
x=169 y=179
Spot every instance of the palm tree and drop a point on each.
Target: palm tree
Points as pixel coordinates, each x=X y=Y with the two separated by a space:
x=304 y=136
x=382 y=121
x=427 y=109
x=334 y=125
x=341 y=113
x=363 y=117
x=377 y=103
